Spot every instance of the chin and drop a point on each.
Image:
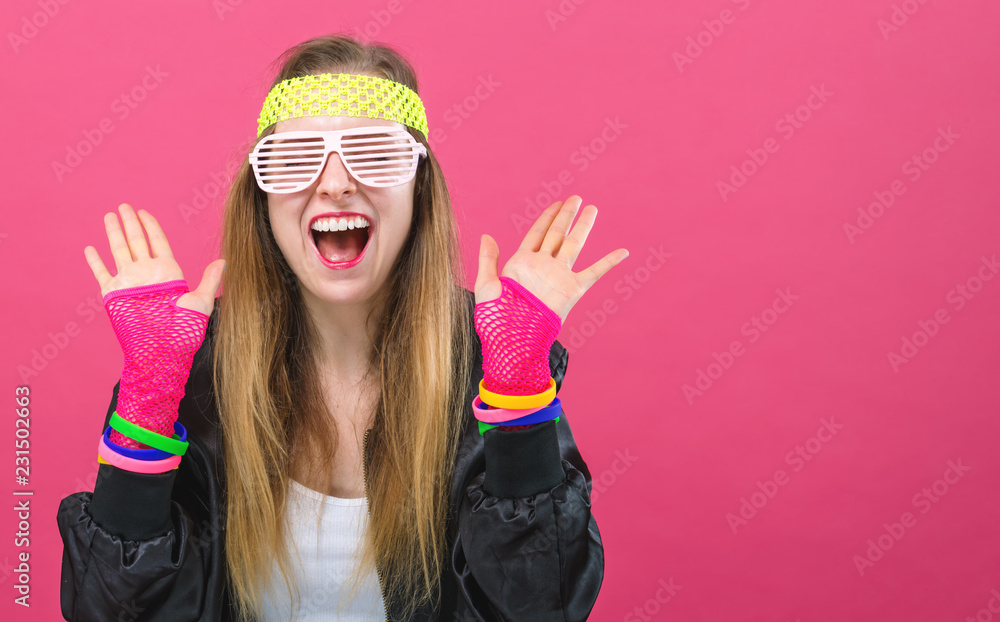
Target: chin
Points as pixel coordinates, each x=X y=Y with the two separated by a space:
x=343 y=291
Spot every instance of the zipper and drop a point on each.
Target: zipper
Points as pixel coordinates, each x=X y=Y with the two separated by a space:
x=364 y=470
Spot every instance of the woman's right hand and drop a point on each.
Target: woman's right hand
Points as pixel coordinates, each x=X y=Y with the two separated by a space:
x=138 y=264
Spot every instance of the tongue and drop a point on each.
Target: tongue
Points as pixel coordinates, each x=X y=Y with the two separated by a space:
x=341 y=245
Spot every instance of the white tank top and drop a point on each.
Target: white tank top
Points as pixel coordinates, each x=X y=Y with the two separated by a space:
x=326 y=557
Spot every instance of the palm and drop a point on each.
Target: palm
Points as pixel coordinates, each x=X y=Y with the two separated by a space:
x=143 y=271
x=543 y=264
x=140 y=264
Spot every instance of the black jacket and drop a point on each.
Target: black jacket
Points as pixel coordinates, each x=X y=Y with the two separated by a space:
x=524 y=544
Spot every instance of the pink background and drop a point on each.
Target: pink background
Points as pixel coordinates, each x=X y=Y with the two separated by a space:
x=671 y=471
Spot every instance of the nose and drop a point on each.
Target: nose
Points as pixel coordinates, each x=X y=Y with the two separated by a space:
x=334 y=178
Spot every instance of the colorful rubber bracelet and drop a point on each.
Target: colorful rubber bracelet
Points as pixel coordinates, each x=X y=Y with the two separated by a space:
x=103 y=461
x=145 y=454
x=147 y=437
x=551 y=411
x=136 y=466
x=489 y=414
x=518 y=402
x=485 y=427
x=507 y=416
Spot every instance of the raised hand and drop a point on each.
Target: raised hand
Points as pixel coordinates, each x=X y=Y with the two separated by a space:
x=138 y=264
x=543 y=264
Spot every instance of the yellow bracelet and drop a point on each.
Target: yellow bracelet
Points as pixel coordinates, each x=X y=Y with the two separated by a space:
x=515 y=402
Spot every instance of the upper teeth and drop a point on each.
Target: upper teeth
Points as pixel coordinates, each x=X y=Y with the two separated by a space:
x=340 y=224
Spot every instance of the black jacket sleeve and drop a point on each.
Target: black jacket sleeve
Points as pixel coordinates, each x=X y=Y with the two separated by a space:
x=144 y=547
x=528 y=547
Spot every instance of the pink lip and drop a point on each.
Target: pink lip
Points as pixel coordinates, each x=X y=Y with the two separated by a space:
x=341 y=265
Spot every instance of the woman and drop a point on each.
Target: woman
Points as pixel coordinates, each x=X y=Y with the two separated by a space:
x=344 y=365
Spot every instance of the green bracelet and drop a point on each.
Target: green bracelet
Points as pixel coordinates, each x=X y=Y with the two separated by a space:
x=483 y=427
x=147 y=437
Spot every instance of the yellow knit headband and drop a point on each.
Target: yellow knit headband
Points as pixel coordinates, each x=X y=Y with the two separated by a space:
x=371 y=97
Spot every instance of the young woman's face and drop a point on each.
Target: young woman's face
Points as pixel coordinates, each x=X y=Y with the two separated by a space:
x=344 y=266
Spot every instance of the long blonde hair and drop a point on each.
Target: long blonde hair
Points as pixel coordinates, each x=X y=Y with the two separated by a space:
x=269 y=395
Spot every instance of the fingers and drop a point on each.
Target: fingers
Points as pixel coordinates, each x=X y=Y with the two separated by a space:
x=489 y=257
x=97 y=267
x=533 y=239
x=590 y=276
x=133 y=232
x=560 y=226
x=157 y=240
x=573 y=244
x=116 y=241
x=204 y=295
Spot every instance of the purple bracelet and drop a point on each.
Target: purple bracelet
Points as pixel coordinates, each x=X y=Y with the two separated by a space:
x=543 y=414
x=180 y=434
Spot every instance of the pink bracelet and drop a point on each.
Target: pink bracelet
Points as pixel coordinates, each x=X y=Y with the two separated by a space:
x=114 y=458
x=499 y=415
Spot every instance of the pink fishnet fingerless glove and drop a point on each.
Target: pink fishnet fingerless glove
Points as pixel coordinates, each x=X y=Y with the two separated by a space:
x=159 y=340
x=517 y=331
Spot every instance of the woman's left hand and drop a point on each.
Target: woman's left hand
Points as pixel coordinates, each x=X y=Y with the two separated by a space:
x=543 y=264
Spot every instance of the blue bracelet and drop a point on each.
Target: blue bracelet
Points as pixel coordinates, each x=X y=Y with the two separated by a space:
x=552 y=411
x=180 y=434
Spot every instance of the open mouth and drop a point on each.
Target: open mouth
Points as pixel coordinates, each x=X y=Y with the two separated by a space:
x=341 y=246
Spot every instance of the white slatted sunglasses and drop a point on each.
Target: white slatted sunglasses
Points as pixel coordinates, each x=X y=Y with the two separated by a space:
x=376 y=156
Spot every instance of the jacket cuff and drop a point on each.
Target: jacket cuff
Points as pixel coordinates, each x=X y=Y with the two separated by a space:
x=521 y=463
x=132 y=506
